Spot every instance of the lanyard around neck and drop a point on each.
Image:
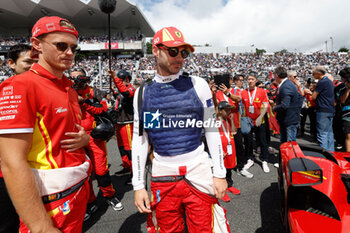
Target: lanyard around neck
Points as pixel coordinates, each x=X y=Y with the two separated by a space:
x=251 y=98
x=226 y=132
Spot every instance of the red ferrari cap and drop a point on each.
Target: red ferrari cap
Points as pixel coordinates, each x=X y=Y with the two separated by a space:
x=49 y=24
x=170 y=37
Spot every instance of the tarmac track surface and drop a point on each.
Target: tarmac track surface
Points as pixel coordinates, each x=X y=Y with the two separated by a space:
x=255 y=210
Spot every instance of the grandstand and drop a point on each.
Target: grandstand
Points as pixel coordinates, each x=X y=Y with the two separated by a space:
x=129 y=28
x=128 y=25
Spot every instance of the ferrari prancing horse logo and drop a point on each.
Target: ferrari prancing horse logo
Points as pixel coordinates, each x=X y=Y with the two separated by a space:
x=178 y=34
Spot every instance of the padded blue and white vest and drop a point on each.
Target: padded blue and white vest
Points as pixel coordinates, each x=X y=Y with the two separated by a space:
x=175 y=98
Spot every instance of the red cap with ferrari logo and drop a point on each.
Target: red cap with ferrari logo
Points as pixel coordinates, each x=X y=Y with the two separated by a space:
x=170 y=37
x=49 y=24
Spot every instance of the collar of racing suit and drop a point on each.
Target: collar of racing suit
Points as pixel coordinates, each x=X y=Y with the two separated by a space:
x=166 y=79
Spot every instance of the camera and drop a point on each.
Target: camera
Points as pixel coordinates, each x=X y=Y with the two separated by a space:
x=80 y=82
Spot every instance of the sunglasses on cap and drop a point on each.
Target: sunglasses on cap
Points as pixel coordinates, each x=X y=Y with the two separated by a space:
x=63 y=46
x=174 y=51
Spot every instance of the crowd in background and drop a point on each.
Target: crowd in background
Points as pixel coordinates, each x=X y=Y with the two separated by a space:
x=207 y=65
x=115 y=37
x=203 y=65
x=263 y=64
x=83 y=39
x=91 y=65
x=13 y=40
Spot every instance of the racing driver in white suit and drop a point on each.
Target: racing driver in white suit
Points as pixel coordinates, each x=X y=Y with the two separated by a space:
x=171 y=115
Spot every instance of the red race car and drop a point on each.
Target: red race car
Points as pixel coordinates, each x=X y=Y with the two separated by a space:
x=315 y=189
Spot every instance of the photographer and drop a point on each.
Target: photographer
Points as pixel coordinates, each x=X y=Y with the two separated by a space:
x=124 y=115
x=96 y=149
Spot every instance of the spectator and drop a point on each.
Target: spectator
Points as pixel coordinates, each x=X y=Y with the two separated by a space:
x=227 y=131
x=255 y=104
x=293 y=77
x=239 y=79
x=311 y=109
x=304 y=108
x=233 y=97
x=138 y=82
x=345 y=102
x=108 y=100
x=271 y=115
x=288 y=106
x=324 y=96
x=266 y=122
x=339 y=90
x=19 y=59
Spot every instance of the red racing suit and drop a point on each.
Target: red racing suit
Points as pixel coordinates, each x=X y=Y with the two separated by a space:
x=173 y=222
x=125 y=117
x=47 y=107
x=96 y=150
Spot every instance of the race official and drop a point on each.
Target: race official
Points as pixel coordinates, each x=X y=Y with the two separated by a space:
x=41 y=140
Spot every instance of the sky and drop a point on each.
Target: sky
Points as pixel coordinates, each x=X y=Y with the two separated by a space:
x=273 y=25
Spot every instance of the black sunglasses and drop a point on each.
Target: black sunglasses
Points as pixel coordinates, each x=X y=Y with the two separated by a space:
x=174 y=51
x=63 y=46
